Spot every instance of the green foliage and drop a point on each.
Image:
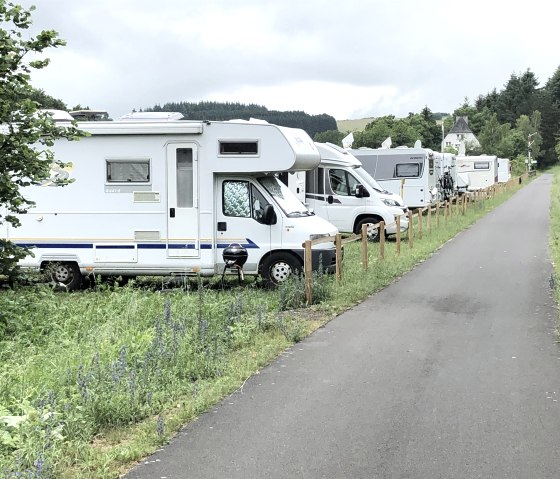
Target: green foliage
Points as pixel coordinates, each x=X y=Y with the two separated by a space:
x=26 y=135
x=402 y=131
x=331 y=136
x=46 y=101
x=208 y=110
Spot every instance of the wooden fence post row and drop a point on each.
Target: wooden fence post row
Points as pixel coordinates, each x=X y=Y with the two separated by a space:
x=461 y=204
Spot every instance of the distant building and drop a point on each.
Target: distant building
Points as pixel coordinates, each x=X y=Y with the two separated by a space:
x=460 y=133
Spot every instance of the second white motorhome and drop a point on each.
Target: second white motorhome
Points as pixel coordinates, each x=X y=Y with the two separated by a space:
x=478 y=172
x=411 y=169
x=342 y=192
x=168 y=197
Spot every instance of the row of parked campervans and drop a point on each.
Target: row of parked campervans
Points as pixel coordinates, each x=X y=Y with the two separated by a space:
x=155 y=195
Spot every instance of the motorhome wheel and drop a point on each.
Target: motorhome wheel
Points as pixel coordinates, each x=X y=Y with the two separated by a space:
x=278 y=267
x=372 y=233
x=65 y=275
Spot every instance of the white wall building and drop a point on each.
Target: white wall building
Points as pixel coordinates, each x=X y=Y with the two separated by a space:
x=460 y=133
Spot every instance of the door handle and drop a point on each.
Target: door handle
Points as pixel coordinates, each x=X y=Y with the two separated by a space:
x=172 y=212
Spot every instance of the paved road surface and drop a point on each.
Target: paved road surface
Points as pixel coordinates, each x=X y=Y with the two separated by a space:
x=451 y=372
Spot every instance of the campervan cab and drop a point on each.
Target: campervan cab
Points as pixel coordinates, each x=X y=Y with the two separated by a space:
x=152 y=197
x=342 y=192
x=411 y=170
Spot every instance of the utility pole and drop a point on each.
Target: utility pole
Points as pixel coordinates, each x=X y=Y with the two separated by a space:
x=529 y=149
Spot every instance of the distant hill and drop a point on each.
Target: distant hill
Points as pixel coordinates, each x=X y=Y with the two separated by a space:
x=352 y=125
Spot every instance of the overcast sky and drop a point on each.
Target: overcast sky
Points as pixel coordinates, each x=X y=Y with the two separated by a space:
x=349 y=59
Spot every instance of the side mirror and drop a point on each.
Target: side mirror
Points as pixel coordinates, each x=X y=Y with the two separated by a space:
x=361 y=192
x=269 y=215
x=330 y=200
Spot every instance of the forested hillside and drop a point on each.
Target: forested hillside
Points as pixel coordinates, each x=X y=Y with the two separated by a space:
x=208 y=110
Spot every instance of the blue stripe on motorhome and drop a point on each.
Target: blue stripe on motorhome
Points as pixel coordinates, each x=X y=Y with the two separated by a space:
x=55 y=245
x=248 y=245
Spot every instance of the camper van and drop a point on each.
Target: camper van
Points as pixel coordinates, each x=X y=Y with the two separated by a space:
x=411 y=169
x=478 y=172
x=342 y=192
x=168 y=197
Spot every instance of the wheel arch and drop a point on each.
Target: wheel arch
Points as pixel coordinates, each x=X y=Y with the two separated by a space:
x=363 y=216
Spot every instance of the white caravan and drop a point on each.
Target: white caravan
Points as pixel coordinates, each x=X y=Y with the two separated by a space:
x=167 y=197
x=341 y=191
x=391 y=166
x=478 y=172
x=504 y=170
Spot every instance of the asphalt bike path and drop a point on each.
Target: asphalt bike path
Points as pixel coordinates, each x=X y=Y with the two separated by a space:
x=453 y=371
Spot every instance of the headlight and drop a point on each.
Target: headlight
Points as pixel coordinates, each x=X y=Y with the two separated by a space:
x=321 y=235
x=389 y=202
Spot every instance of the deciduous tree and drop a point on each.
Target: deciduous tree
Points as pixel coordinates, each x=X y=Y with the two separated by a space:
x=26 y=133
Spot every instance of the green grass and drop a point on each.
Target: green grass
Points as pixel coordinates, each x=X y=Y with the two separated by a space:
x=100 y=378
x=555 y=231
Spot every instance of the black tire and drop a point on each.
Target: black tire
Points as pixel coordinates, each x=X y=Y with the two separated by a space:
x=278 y=268
x=373 y=233
x=65 y=275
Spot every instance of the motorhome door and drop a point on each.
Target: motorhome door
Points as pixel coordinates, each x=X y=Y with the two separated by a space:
x=182 y=201
x=239 y=215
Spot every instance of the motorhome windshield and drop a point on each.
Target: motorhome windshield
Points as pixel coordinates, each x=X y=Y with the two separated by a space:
x=289 y=203
x=368 y=179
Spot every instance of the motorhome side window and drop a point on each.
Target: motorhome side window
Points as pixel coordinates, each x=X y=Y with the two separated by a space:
x=481 y=165
x=185 y=178
x=128 y=171
x=407 y=170
x=238 y=147
x=342 y=183
x=243 y=200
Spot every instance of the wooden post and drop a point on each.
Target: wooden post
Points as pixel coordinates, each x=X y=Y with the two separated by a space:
x=430 y=219
x=338 y=245
x=410 y=229
x=308 y=271
x=450 y=208
x=465 y=199
x=437 y=214
x=398 y=220
x=457 y=205
x=445 y=211
x=364 y=247
x=382 y=239
x=420 y=211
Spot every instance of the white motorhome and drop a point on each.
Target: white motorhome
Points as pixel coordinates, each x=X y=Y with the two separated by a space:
x=504 y=170
x=342 y=192
x=478 y=172
x=167 y=197
x=411 y=168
